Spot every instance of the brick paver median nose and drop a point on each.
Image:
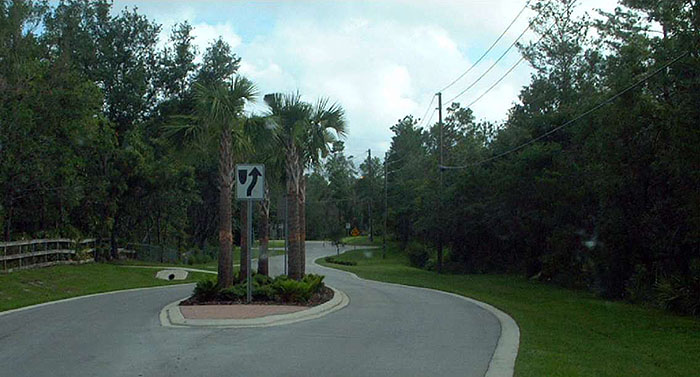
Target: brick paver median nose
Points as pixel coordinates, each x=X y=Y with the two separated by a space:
x=236 y=311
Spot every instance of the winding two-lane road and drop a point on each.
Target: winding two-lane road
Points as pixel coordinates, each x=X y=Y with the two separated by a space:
x=386 y=330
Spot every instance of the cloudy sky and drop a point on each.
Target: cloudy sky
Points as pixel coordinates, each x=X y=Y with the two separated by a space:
x=380 y=60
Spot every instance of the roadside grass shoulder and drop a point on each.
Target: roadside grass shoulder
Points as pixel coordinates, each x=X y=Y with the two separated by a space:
x=563 y=332
x=29 y=287
x=362 y=241
x=212 y=266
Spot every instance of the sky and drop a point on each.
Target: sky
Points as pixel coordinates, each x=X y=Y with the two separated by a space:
x=380 y=60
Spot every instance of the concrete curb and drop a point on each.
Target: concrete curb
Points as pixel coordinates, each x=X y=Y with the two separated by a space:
x=502 y=362
x=35 y=306
x=171 y=316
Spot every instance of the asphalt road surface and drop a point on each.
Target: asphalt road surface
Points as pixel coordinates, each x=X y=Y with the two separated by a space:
x=385 y=331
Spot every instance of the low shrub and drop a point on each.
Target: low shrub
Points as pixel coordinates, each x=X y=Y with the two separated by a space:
x=340 y=262
x=261 y=279
x=289 y=290
x=315 y=282
x=264 y=288
x=237 y=292
x=206 y=290
x=264 y=293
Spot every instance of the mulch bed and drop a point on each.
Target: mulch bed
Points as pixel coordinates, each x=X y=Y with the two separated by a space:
x=318 y=298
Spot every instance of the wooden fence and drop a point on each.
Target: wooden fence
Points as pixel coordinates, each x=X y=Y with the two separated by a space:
x=18 y=255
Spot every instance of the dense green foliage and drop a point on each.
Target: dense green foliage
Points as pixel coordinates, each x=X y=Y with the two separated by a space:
x=609 y=203
x=265 y=289
x=107 y=133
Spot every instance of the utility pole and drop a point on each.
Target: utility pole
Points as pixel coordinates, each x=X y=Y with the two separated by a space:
x=386 y=208
x=440 y=209
x=371 y=193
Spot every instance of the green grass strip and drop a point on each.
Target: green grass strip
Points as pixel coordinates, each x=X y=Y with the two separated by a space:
x=29 y=287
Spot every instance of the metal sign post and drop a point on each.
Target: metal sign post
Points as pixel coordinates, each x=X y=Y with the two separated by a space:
x=250 y=184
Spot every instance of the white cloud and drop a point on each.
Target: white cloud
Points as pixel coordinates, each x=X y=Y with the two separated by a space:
x=205 y=33
x=380 y=60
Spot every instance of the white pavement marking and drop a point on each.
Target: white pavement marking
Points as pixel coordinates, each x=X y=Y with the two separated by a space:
x=502 y=362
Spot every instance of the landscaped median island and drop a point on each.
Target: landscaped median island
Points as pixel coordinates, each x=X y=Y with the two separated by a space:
x=562 y=332
x=310 y=291
x=275 y=301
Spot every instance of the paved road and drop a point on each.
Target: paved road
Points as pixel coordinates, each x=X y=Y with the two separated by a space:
x=385 y=331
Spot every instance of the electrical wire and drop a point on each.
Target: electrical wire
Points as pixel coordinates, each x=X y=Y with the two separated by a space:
x=529 y=25
x=572 y=121
x=420 y=122
x=522 y=58
x=431 y=118
x=489 y=49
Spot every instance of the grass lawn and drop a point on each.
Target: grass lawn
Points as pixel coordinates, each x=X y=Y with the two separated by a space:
x=29 y=287
x=272 y=243
x=563 y=332
x=362 y=241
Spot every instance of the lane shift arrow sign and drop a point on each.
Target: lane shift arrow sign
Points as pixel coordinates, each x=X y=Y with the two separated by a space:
x=255 y=173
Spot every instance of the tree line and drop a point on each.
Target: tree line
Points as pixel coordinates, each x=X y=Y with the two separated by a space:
x=105 y=134
x=610 y=203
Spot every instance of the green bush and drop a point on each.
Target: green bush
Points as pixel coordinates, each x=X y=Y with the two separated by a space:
x=206 y=290
x=314 y=281
x=264 y=293
x=237 y=292
x=418 y=254
x=289 y=290
x=261 y=279
x=679 y=295
x=340 y=262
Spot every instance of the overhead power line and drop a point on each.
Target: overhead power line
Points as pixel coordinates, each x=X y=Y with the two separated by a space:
x=572 y=121
x=511 y=68
x=432 y=99
x=488 y=50
x=430 y=118
x=529 y=25
x=422 y=120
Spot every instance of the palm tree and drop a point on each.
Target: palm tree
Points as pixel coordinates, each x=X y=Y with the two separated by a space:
x=303 y=132
x=219 y=114
x=327 y=123
x=260 y=131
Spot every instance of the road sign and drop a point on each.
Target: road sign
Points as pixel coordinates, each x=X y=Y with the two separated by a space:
x=347 y=226
x=250 y=181
x=250 y=186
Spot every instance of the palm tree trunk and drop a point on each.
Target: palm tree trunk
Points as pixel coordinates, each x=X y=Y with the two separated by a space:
x=292 y=170
x=302 y=223
x=225 y=268
x=244 y=241
x=263 y=263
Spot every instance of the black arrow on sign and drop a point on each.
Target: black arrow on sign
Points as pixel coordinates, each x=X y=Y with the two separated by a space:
x=255 y=173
